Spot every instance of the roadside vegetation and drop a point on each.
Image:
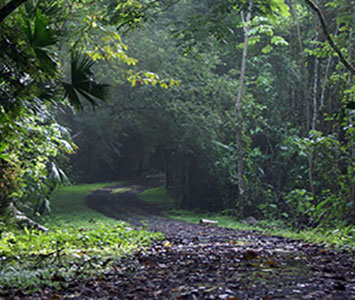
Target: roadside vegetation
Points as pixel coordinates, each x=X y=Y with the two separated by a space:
x=334 y=236
x=80 y=242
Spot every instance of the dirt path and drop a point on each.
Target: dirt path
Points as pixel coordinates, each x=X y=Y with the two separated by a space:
x=198 y=262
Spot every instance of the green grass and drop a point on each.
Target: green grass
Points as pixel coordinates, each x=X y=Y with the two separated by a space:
x=68 y=206
x=343 y=236
x=159 y=197
x=80 y=242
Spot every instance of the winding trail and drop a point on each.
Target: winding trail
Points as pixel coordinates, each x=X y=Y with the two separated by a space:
x=199 y=262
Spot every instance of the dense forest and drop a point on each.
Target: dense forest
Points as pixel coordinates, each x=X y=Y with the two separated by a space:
x=233 y=113
x=244 y=106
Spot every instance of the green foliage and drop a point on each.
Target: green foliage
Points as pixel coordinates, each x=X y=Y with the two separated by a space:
x=33 y=258
x=301 y=203
x=188 y=131
x=31 y=144
x=33 y=84
x=83 y=85
x=333 y=188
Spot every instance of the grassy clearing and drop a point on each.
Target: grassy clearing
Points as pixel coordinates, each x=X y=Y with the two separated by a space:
x=68 y=206
x=80 y=242
x=343 y=236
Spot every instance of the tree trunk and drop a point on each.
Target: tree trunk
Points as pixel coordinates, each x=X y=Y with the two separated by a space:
x=314 y=119
x=186 y=197
x=303 y=67
x=22 y=220
x=352 y=146
x=322 y=94
x=238 y=136
x=346 y=63
x=168 y=170
x=315 y=89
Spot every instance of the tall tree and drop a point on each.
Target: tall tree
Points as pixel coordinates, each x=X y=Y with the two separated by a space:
x=239 y=127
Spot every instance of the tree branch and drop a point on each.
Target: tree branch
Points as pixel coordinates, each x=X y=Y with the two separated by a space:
x=9 y=8
x=329 y=38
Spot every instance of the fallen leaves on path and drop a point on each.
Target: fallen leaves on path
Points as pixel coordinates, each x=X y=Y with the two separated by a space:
x=199 y=262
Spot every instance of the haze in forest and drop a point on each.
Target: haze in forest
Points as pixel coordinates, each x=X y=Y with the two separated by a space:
x=220 y=110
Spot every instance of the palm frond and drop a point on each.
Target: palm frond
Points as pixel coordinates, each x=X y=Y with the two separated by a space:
x=83 y=84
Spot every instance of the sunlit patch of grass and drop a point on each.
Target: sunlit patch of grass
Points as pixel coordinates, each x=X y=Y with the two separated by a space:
x=68 y=206
x=121 y=190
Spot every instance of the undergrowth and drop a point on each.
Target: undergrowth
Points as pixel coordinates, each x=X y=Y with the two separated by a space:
x=339 y=235
x=79 y=242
